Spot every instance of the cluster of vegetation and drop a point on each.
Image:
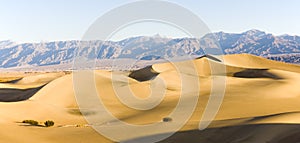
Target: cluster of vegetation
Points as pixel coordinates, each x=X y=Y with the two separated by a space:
x=31 y=122
x=167 y=119
x=48 y=123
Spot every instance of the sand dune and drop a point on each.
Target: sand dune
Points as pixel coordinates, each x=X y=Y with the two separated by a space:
x=14 y=95
x=210 y=57
x=23 y=88
x=256 y=73
x=143 y=74
x=261 y=133
x=10 y=80
x=251 y=61
x=261 y=103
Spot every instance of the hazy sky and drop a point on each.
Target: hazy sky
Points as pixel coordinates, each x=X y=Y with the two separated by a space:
x=49 y=20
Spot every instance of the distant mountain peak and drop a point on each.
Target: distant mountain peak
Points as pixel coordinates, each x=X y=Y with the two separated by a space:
x=5 y=43
x=254 y=32
x=157 y=35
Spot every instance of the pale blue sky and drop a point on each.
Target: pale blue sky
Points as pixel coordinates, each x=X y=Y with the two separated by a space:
x=49 y=20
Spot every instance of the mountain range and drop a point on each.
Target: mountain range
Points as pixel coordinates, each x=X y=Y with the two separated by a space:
x=284 y=48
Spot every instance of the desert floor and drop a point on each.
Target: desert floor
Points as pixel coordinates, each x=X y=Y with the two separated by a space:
x=260 y=103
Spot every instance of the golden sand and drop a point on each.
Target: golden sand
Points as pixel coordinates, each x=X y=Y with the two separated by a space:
x=247 y=101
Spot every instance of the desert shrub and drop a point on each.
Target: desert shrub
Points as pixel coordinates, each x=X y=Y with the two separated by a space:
x=49 y=123
x=31 y=122
x=167 y=119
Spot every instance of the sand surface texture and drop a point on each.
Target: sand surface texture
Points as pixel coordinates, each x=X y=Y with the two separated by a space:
x=261 y=103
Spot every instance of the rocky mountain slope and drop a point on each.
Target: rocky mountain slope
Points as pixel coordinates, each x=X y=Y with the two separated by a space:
x=284 y=48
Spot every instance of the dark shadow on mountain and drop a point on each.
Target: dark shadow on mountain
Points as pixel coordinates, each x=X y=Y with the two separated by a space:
x=151 y=57
x=259 y=133
x=256 y=73
x=143 y=74
x=14 y=95
x=209 y=57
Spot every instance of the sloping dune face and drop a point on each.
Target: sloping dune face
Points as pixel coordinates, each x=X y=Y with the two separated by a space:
x=13 y=95
x=22 y=88
x=261 y=103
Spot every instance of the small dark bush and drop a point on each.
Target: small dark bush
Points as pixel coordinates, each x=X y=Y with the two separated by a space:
x=31 y=122
x=49 y=123
x=167 y=119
